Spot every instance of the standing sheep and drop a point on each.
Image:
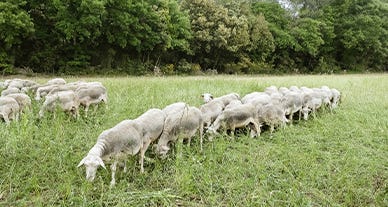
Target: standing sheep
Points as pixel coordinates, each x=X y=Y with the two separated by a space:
x=23 y=100
x=67 y=100
x=126 y=138
x=182 y=122
x=89 y=94
x=238 y=116
x=9 y=109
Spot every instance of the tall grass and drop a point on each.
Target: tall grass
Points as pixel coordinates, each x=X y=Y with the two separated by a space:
x=338 y=158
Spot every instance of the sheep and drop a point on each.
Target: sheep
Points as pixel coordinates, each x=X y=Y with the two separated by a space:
x=272 y=115
x=312 y=101
x=9 y=109
x=237 y=117
x=256 y=97
x=271 y=89
x=67 y=87
x=211 y=110
x=67 y=100
x=232 y=104
x=91 y=94
x=225 y=99
x=10 y=91
x=207 y=97
x=23 y=100
x=292 y=102
x=42 y=91
x=127 y=137
x=21 y=83
x=182 y=122
x=56 y=81
x=336 y=98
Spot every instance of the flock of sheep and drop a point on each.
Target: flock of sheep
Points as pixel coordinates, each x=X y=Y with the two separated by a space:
x=273 y=107
x=179 y=121
x=15 y=99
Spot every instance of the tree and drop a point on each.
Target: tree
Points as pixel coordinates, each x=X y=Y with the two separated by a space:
x=15 y=25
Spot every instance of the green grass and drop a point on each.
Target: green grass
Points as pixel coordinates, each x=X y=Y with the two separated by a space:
x=335 y=159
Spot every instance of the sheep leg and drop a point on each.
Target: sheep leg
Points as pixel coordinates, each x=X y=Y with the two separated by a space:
x=125 y=166
x=86 y=110
x=257 y=129
x=201 y=135
x=6 y=119
x=113 y=168
x=142 y=154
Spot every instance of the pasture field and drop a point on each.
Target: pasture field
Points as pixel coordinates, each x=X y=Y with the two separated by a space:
x=333 y=159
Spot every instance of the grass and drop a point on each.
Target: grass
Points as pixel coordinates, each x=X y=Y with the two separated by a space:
x=335 y=159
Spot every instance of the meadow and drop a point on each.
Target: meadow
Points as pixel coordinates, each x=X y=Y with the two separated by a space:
x=337 y=158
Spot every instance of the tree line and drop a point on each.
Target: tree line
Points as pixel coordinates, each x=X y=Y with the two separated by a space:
x=193 y=36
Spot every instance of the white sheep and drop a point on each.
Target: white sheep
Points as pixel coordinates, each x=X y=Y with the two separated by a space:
x=225 y=99
x=292 y=102
x=9 y=109
x=238 y=116
x=10 y=91
x=211 y=110
x=91 y=94
x=126 y=138
x=312 y=101
x=272 y=115
x=67 y=100
x=56 y=81
x=182 y=122
x=42 y=91
x=336 y=98
x=256 y=98
x=23 y=100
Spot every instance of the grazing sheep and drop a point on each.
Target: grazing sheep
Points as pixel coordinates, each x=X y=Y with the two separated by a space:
x=10 y=91
x=237 y=117
x=67 y=100
x=67 y=87
x=42 y=91
x=91 y=94
x=272 y=115
x=211 y=110
x=256 y=97
x=312 y=101
x=21 y=83
x=23 y=100
x=336 y=98
x=56 y=81
x=9 y=109
x=225 y=99
x=232 y=104
x=292 y=102
x=126 y=138
x=182 y=122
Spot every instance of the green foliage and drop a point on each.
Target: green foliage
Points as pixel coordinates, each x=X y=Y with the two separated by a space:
x=299 y=35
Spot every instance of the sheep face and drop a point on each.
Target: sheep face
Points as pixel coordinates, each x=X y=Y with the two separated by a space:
x=207 y=97
x=162 y=150
x=91 y=164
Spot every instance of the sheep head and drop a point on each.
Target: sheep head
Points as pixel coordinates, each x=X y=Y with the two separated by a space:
x=207 y=97
x=91 y=163
x=162 y=149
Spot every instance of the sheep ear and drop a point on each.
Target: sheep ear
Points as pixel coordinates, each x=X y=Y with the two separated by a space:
x=81 y=163
x=202 y=95
x=101 y=163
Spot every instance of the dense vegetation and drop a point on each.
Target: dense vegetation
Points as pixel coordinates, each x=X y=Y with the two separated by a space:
x=193 y=36
x=334 y=159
